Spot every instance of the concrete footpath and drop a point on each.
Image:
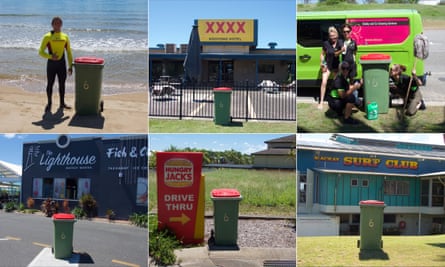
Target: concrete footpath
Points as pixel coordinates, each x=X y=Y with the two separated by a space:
x=244 y=257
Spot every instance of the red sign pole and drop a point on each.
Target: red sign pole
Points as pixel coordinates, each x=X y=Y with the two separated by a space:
x=180 y=195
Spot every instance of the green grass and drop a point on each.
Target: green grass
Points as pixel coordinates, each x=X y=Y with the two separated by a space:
x=397 y=251
x=208 y=126
x=264 y=192
x=310 y=119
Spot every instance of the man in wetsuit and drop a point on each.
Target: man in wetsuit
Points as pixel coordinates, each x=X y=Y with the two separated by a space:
x=53 y=48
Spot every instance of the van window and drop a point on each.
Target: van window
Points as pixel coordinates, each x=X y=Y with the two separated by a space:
x=379 y=31
x=312 y=33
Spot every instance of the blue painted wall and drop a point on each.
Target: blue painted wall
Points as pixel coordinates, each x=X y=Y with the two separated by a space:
x=337 y=190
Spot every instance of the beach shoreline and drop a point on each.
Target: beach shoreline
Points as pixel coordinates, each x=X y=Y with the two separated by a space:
x=22 y=111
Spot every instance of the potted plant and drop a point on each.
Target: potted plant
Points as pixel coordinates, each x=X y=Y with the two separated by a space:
x=30 y=203
x=66 y=206
x=110 y=214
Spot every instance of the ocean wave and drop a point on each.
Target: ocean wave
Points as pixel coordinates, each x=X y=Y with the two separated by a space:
x=104 y=45
x=34 y=83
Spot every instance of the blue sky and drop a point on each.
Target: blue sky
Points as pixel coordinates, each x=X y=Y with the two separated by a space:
x=436 y=139
x=12 y=144
x=245 y=143
x=171 y=21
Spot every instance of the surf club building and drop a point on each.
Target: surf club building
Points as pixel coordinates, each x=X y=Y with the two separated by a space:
x=334 y=176
x=229 y=55
x=113 y=170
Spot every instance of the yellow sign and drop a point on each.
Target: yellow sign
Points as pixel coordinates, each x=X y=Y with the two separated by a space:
x=227 y=30
x=178 y=172
x=183 y=219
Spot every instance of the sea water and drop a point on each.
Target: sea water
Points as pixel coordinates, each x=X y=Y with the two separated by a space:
x=114 y=30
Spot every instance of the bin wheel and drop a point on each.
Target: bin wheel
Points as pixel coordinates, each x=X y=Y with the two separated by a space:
x=101 y=106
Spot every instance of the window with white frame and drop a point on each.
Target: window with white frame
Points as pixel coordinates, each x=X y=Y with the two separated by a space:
x=393 y=187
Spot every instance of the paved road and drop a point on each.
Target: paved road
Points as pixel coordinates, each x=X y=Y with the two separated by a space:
x=23 y=236
x=434 y=91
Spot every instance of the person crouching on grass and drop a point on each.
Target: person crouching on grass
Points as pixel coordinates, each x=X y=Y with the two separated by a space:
x=341 y=98
x=55 y=43
x=399 y=83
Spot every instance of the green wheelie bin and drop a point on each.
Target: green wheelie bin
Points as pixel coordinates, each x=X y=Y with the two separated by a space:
x=371 y=224
x=375 y=69
x=63 y=235
x=225 y=215
x=88 y=83
x=222 y=104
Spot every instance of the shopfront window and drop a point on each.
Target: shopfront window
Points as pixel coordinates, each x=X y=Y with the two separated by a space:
x=60 y=188
x=142 y=192
x=266 y=68
x=396 y=188
x=302 y=189
x=437 y=194
x=48 y=187
x=220 y=71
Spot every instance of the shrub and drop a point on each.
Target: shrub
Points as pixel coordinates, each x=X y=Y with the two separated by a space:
x=162 y=244
x=10 y=206
x=89 y=205
x=140 y=220
x=78 y=212
x=49 y=207
x=21 y=207
x=30 y=203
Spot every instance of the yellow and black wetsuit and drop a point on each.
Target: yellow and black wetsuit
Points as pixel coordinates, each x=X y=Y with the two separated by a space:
x=55 y=43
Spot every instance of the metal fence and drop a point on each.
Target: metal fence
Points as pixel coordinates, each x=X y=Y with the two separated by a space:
x=248 y=101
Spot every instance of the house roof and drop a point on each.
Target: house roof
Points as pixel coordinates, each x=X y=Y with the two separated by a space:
x=10 y=173
x=284 y=139
x=273 y=152
x=341 y=143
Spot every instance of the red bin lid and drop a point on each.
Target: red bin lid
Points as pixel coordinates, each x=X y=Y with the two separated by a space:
x=225 y=192
x=63 y=216
x=375 y=57
x=89 y=60
x=222 y=89
x=372 y=202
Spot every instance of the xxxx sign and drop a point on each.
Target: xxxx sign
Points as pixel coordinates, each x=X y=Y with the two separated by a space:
x=227 y=31
x=181 y=195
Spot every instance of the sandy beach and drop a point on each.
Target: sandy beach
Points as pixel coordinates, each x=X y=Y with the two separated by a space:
x=23 y=112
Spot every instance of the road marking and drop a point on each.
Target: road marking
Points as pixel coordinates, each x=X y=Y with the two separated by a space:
x=125 y=263
x=201 y=106
x=46 y=259
x=13 y=238
x=41 y=245
x=252 y=110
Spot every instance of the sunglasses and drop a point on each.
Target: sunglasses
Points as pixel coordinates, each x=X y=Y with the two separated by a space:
x=346 y=31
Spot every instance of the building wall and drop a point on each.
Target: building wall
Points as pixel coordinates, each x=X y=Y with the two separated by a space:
x=115 y=173
x=274 y=161
x=337 y=189
x=244 y=70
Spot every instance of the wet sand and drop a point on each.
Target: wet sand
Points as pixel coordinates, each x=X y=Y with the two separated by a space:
x=23 y=112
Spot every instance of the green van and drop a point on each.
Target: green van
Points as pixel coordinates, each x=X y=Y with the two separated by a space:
x=389 y=32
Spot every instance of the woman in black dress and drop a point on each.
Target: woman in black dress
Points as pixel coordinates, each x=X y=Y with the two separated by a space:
x=329 y=58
